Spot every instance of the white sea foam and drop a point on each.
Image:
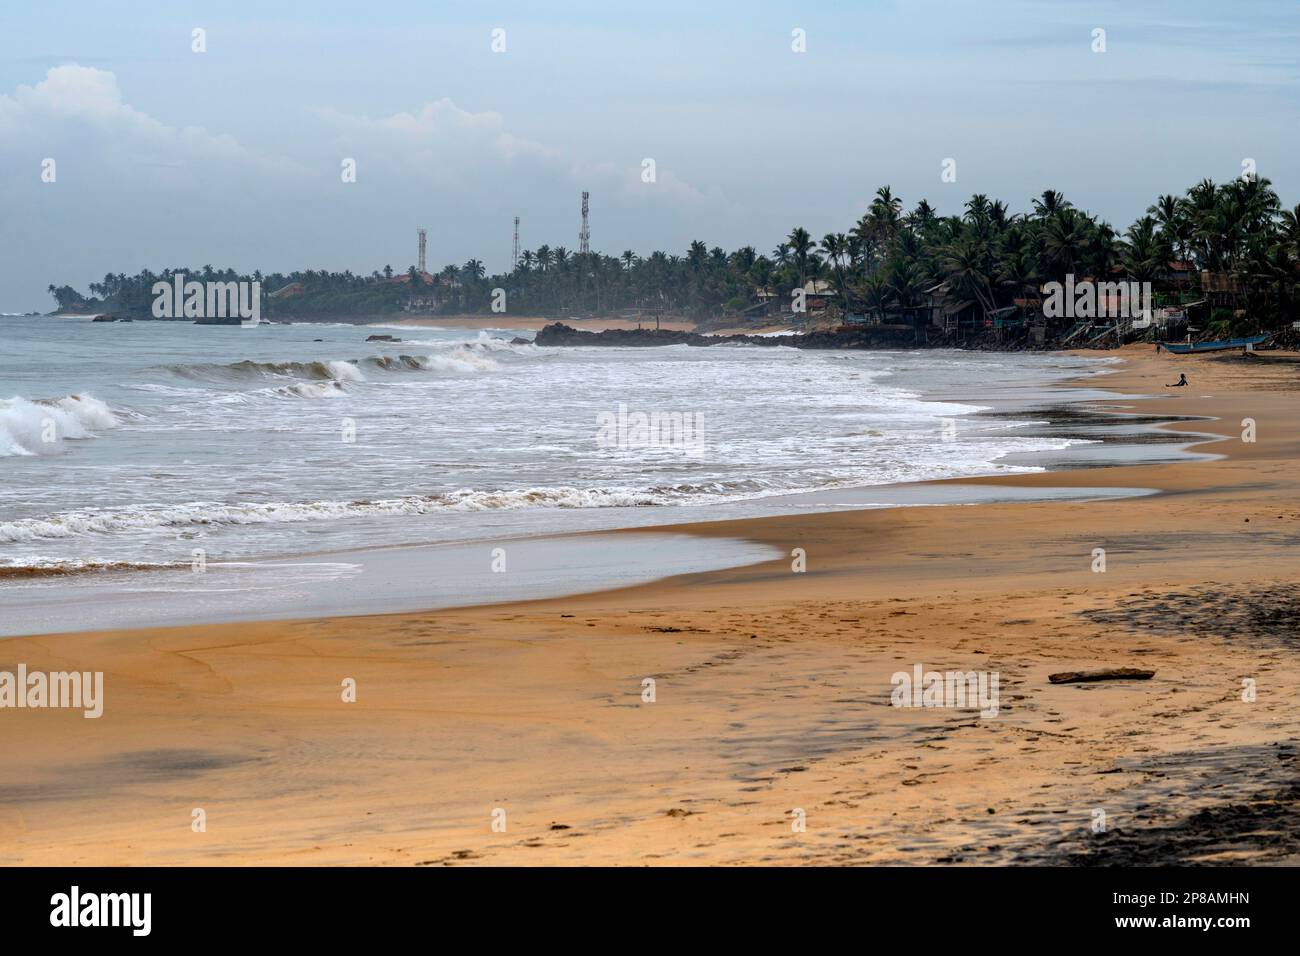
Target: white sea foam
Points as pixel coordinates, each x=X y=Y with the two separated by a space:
x=344 y=372
x=137 y=518
x=313 y=390
x=234 y=444
x=460 y=361
x=40 y=427
x=153 y=517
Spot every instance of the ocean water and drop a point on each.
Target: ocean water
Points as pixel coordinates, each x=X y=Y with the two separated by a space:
x=125 y=445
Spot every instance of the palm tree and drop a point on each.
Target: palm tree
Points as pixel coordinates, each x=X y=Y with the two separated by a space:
x=1142 y=250
x=977 y=209
x=1174 y=225
x=885 y=213
x=906 y=283
x=1049 y=204
x=1289 y=231
x=1018 y=271
x=965 y=263
x=836 y=247
x=875 y=293
x=743 y=259
x=921 y=218
x=1064 y=237
x=1102 y=250
x=761 y=272
x=801 y=244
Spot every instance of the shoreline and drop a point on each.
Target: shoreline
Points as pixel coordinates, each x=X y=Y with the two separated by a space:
x=772 y=694
x=358 y=580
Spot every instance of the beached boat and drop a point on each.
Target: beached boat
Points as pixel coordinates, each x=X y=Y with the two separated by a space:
x=1184 y=348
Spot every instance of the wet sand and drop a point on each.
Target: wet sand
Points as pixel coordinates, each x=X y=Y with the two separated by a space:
x=771 y=694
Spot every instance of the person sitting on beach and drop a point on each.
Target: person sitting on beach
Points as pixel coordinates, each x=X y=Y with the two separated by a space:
x=1182 y=380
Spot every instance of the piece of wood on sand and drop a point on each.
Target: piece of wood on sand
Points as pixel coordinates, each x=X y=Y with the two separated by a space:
x=1113 y=673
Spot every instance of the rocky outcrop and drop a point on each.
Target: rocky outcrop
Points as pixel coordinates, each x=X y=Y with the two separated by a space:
x=557 y=333
x=848 y=337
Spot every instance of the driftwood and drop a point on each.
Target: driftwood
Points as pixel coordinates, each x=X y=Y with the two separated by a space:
x=1114 y=673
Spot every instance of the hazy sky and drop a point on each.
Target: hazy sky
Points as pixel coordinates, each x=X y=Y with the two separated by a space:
x=168 y=157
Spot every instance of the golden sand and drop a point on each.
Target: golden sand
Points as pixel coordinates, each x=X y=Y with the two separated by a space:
x=772 y=694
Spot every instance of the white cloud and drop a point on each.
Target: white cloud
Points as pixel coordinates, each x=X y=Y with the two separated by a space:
x=476 y=153
x=134 y=191
x=78 y=105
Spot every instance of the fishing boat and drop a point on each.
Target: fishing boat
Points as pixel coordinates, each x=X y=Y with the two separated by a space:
x=1220 y=346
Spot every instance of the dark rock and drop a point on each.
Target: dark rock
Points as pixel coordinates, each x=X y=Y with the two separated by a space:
x=1116 y=673
x=844 y=337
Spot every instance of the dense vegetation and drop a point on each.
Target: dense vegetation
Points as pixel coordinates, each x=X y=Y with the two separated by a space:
x=883 y=264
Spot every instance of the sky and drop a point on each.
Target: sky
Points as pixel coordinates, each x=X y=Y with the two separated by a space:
x=164 y=156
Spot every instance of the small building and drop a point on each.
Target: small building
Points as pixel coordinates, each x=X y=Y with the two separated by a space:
x=769 y=303
x=405 y=277
x=292 y=289
x=1221 y=289
x=818 y=294
x=1179 y=273
x=957 y=315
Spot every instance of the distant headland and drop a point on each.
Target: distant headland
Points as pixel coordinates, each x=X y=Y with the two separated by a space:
x=1220 y=261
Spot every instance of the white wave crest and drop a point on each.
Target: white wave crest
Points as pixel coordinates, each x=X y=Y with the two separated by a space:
x=144 y=518
x=41 y=427
x=344 y=372
x=313 y=390
x=459 y=361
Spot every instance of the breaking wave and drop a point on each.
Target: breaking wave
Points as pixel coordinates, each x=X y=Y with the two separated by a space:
x=41 y=568
x=456 y=361
x=461 y=359
x=146 y=518
x=313 y=390
x=248 y=370
x=41 y=427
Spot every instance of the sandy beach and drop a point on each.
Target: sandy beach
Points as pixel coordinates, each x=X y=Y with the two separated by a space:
x=771 y=694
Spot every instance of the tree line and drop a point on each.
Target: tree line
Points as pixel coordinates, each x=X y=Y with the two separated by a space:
x=884 y=263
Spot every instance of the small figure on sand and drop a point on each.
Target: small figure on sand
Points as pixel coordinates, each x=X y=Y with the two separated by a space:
x=1182 y=380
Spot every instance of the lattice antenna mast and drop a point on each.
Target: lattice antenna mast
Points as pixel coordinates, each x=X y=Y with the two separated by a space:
x=514 y=256
x=422 y=237
x=584 y=237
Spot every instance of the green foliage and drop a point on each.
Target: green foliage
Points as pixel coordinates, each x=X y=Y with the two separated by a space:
x=884 y=265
